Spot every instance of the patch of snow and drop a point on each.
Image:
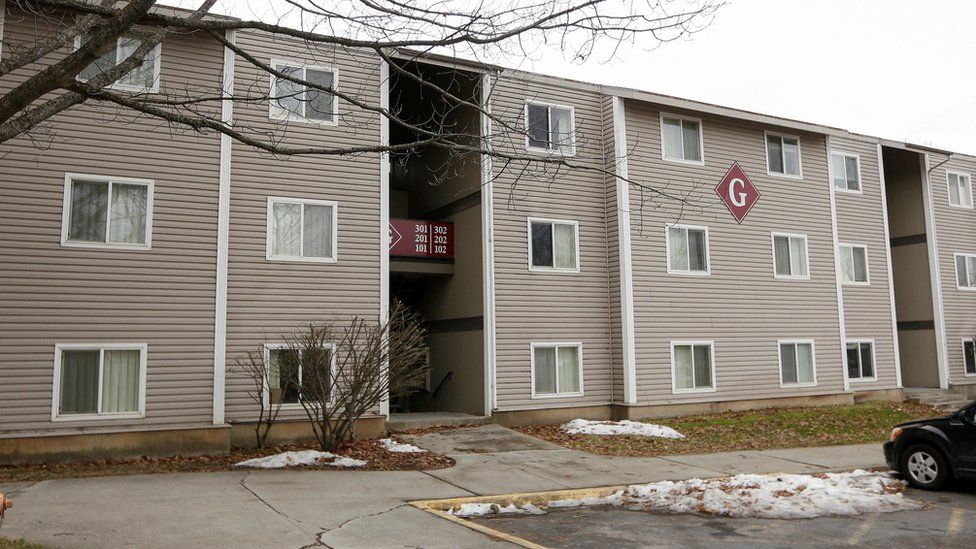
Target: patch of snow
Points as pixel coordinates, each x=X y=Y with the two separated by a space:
x=300 y=458
x=468 y=510
x=400 y=447
x=625 y=427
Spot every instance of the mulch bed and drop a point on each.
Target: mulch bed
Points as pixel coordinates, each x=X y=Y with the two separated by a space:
x=370 y=450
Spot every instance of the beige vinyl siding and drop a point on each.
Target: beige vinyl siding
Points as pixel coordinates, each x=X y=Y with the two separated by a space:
x=163 y=297
x=267 y=299
x=956 y=233
x=740 y=306
x=541 y=306
x=867 y=309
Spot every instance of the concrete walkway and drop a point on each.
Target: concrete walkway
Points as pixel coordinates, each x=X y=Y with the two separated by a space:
x=357 y=508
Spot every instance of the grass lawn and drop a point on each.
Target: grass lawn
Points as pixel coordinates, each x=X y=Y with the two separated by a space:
x=6 y=543
x=751 y=430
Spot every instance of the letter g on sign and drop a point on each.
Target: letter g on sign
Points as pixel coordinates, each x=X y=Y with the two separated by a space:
x=737 y=198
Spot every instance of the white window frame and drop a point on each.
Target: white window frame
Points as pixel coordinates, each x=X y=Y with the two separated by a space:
x=269 y=244
x=860 y=180
x=964 y=341
x=969 y=183
x=813 y=361
x=157 y=66
x=553 y=269
x=667 y=250
x=555 y=345
x=701 y=139
x=799 y=155
x=874 y=358
x=66 y=211
x=266 y=392
x=549 y=149
x=867 y=264
x=59 y=348
x=955 y=272
x=806 y=250
x=277 y=113
x=674 y=378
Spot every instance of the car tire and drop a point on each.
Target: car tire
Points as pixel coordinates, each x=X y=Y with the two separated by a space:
x=924 y=467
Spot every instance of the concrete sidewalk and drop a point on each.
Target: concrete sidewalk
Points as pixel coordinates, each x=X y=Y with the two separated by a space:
x=358 y=508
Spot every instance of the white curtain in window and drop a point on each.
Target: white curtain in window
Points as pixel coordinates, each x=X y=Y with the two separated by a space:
x=120 y=381
x=564 y=246
x=847 y=264
x=143 y=75
x=791 y=156
x=569 y=381
x=971 y=271
x=774 y=154
x=127 y=220
x=562 y=130
x=545 y=370
x=781 y=245
x=851 y=169
x=289 y=96
x=679 y=248
x=965 y=191
x=89 y=206
x=860 y=260
x=804 y=363
x=703 y=366
x=317 y=237
x=798 y=256
x=697 y=255
x=955 y=196
x=286 y=235
x=683 y=367
x=79 y=382
x=840 y=171
x=672 y=138
x=962 y=279
x=691 y=133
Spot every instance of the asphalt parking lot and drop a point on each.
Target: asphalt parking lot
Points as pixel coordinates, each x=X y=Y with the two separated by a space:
x=948 y=520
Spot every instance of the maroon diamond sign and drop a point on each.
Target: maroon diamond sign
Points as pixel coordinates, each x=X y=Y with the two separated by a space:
x=737 y=192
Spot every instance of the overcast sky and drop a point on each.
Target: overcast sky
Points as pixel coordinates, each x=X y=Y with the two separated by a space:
x=901 y=69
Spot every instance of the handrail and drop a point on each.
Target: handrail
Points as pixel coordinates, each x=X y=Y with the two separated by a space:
x=444 y=380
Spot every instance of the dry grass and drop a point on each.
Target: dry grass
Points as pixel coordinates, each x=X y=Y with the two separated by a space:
x=751 y=430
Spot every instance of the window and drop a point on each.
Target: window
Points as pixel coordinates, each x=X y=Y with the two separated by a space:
x=687 y=249
x=846 y=171
x=783 y=155
x=692 y=367
x=99 y=381
x=290 y=372
x=860 y=360
x=142 y=79
x=966 y=271
x=302 y=230
x=790 y=256
x=550 y=128
x=291 y=100
x=106 y=211
x=681 y=139
x=557 y=369
x=960 y=189
x=796 y=363
x=553 y=245
x=969 y=353
x=853 y=264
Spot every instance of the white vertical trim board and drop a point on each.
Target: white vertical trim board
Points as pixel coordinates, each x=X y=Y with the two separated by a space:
x=934 y=274
x=891 y=279
x=488 y=250
x=838 y=284
x=223 y=236
x=3 y=16
x=627 y=337
x=384 y=213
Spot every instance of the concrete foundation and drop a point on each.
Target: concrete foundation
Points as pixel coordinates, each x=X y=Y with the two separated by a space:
x=887 y=395
x=552 y=415
x=288 y=432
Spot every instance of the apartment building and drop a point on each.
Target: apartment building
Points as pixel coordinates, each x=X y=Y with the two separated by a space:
x=695 y=257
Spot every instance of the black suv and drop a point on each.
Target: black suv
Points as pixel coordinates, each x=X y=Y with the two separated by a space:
x=929 y=452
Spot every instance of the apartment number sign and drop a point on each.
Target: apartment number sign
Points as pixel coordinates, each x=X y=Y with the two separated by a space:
x=737 y=192
x=418 y=238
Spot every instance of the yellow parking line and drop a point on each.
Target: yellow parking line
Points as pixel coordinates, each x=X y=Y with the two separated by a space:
x=863 y=529
x=955 y=522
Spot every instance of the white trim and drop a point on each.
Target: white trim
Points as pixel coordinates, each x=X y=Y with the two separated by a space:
x=701 y=139
x=838 y=285
x=556 y=345
x=955 y=270
x=272 y=200
x=813 y=361
x=891 y=281
x=101 y=348
x=933 y=249
x=266 y=389
x=860 y=180
x=66 y=212
x=384 y=217
x=549 y=149
x=553 y=223
x=223 y=235
x=867 y=264
x=488 y=250
x=278 y=113
x=806 y=250
x=964 y=341
x=874 y=360
x=157 y=52
x=674 y=378
x=3 y=14
x=969 y=183
x=667 y=250
x=799 y=155
x=627 y=332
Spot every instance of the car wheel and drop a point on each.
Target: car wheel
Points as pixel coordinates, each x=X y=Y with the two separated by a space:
x=924 y=467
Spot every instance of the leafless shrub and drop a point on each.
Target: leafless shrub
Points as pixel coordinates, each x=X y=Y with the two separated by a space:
x=254 y=367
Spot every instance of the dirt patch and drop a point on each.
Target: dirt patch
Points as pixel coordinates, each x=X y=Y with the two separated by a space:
x=377 y=458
